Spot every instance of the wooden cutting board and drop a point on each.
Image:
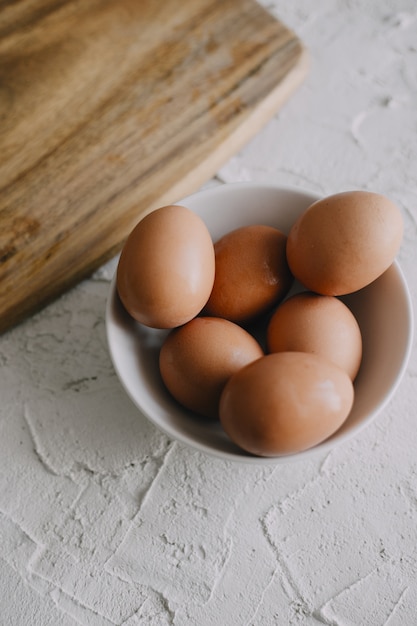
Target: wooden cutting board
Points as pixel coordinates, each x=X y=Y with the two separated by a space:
x=111 y=108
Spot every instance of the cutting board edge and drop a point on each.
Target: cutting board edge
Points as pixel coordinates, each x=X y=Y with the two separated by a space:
x=257 y=119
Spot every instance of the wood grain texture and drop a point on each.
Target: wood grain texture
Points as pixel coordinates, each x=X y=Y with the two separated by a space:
x=109 y=109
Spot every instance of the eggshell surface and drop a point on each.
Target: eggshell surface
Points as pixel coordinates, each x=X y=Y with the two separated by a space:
x=322 y=325
x=343 y=242
x=166 y=269
x=284 y=403
x=198 y=359
x=252 y=273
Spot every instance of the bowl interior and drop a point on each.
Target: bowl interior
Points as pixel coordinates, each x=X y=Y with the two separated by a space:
x=383 y=310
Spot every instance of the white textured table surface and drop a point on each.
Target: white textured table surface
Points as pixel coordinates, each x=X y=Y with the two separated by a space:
x=104 y=521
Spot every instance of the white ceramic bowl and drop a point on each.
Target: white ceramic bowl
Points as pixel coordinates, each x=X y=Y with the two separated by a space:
x=383 y=310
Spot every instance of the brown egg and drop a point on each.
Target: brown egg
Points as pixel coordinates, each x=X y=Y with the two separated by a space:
x=198 y=359
x=284 y=403
x=166 y=269
x=344 y=242
x=323 y=325
x=251 y=273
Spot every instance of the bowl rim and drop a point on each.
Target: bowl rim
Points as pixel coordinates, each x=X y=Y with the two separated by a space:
x=242 y=457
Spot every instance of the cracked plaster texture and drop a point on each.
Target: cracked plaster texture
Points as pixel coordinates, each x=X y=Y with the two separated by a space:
x=104 y=521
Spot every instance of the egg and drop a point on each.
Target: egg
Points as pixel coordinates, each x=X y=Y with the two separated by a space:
x=343 y=242
x=323 y=325
x=166 y=269
x=252 y=273
x=284 y=403
x=198 y=359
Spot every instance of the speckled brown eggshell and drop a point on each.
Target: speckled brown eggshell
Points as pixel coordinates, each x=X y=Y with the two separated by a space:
x=284 y=403
x=198 y=359
x=345 y=241
x=323 y=325
x=252 y=273
x=166 y=269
